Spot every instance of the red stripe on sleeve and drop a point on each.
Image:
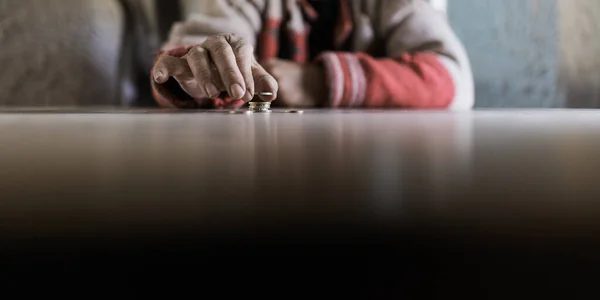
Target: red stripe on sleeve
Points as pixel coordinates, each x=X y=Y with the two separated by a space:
x=268 y=46
x=410 y=81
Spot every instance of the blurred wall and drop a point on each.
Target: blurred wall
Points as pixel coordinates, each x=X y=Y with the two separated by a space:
x=514 y=48
x=532 y=53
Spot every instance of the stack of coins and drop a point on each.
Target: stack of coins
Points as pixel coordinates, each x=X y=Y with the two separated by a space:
x=259 y=106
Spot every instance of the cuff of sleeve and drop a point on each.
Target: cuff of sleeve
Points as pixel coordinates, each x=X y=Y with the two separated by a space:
x=345 y=78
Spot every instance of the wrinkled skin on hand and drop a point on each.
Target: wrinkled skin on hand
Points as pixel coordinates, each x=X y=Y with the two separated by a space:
x=222 y=63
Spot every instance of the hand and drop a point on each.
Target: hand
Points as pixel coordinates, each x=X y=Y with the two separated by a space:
x=300 y=85
x=223 y=63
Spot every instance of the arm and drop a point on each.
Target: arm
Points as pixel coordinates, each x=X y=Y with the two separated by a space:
x=425 y=65
x=242 y=19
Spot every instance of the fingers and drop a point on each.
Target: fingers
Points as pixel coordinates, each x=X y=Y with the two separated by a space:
x=225 y=60
x=169 y=66
x=200 y=64
x=264 y=82
x=221 y=63
x=244 y=54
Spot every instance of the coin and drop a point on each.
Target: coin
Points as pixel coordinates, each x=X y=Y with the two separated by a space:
x=293 y=111
x=259 y=106
x=265 y=94
x=240 y=112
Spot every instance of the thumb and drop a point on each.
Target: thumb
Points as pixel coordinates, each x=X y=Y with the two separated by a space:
x=264 y=83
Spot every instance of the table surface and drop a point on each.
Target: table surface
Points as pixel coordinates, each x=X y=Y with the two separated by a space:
x=77 y=170
x=526 y=179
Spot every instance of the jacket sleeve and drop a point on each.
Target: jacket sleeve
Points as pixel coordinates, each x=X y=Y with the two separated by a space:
x=242 y=18
x=424 y=65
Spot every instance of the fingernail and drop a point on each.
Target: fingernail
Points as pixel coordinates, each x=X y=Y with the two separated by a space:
x=237 y=91
x=248 y=97
x=211 y=90
x=158 y=75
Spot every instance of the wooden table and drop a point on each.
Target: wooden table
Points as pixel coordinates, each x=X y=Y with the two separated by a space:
x=452 y=196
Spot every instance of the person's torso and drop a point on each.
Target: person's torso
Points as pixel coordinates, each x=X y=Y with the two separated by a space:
x=321 y=31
